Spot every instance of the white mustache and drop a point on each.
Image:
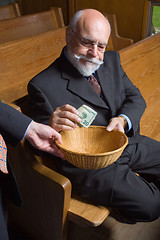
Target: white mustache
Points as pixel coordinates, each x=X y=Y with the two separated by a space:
x=92 y=60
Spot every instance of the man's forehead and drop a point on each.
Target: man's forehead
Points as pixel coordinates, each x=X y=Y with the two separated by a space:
x=91 y=25
x=93 y=31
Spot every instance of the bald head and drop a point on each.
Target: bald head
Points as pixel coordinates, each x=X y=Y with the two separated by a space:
x=90 y=19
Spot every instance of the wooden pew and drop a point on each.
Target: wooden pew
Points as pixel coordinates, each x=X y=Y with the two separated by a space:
x=32 y=56
x=141 y=62
x=23 y=59
x=10 y=11
x=116 y=42
x=30 y=25
x=58 y=15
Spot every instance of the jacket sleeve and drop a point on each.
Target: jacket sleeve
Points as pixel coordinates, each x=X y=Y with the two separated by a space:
x=40 y=108
x=13 y=124
x=133 y=103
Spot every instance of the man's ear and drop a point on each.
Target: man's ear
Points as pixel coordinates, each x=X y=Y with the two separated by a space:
x=68 y=35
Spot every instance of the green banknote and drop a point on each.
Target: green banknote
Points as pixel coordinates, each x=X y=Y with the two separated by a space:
x=87 y=115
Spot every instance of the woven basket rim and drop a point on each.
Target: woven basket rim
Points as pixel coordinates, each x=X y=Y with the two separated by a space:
x=96 y=154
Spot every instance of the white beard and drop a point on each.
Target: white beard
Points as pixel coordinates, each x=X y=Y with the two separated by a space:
x=90 y=66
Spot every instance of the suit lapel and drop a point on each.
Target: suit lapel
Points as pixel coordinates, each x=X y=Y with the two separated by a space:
x=78 y=85
x=105 y=79
x=82 y=88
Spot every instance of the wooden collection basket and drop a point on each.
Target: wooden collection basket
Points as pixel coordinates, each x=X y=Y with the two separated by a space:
x=93 y=147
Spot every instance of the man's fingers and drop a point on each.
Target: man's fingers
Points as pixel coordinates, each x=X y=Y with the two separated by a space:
x=65 y=115
x=64 y=118
x=111 y=125
x=115 y=123
x=55 y=151
x=56 y=136
x=69 y=108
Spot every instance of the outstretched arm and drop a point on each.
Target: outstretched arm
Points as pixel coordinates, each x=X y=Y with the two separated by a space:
x=42 y=137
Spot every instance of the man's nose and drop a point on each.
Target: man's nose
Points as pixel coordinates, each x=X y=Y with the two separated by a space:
x=93 y=50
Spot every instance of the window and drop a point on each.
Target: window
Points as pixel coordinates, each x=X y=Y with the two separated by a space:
x=153 y=25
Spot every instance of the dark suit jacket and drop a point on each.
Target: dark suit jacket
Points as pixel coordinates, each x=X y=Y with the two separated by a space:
x=62 y=84
x=12 y=127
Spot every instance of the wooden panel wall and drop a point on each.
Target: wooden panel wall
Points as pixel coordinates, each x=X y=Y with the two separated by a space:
x=130 y=14
x=30 y=6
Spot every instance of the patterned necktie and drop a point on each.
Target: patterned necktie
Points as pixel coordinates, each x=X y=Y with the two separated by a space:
x=3 y=153
x=94 y=83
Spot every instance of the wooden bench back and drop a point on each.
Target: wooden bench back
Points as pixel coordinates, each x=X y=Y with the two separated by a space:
x=10 y=11
x=29 y=25
x=57 y=12
x=116 y=42
x=21 y=60
x=141 y=62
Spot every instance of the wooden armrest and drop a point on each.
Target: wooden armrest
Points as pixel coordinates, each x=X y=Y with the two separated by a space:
x=16 y=8
x=117 y=41
x=86 y=214
x=81 y=212
x=46 y=197
x=123 y=42
x=57 y=16
x=44 y=185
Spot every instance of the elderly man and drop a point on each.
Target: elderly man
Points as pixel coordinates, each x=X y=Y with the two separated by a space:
x=65 y=85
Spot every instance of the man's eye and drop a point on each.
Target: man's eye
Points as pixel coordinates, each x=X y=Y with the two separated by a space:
x=101 y=46
x=87 y=42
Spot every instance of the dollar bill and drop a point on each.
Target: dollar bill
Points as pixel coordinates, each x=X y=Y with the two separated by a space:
x=87 y=115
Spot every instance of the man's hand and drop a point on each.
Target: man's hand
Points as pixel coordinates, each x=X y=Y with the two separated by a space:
x=116 y=123
x=42 y=137
x=64 y=118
